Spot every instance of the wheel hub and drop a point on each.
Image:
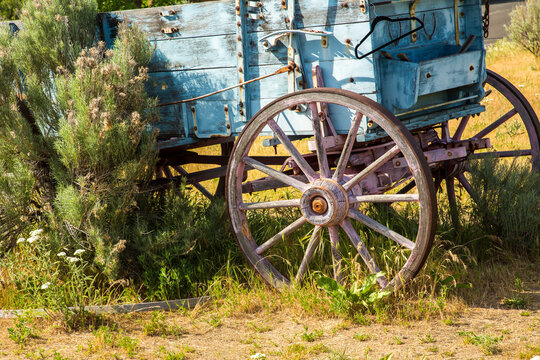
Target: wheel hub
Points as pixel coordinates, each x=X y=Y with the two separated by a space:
x=324 y=203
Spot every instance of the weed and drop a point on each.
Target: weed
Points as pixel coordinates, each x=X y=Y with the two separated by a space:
x=157 y=326
x=487 y=343
x=434 y=349
x=258 y=356
x=362 y=336
x=24 y=329
x=530 y=352
x=259 y=328
x=398 y=340
x=179 y=355
x=311 y=336
x=58 y=356
x=108 y=337
x=515 y=302
x=363 y=295
x=129 y=345
x=449 y=353
x=295 y=351
x=335 y=355
x=215 y=320
x=319 y=349
x=448 y=321
x=518 y=284
x=525 y=313
x=426 y=339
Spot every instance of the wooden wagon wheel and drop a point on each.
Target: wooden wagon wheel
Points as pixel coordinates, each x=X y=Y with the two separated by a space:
x=514 y=118
x=324 y=196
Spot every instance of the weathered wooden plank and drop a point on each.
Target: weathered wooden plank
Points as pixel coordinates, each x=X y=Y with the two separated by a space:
x=179 y=85
x=308 y=13
x=194 y=53
x=211 y=18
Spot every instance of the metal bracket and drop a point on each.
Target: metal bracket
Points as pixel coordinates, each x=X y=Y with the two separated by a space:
x=414 y=36
x=271 y=40
x=243 y=70
x=456 y=21
x=257 y=14
x=170 y=30
x=167 y=13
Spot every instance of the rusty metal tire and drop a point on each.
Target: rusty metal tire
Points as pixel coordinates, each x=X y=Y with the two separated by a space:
x=334 y=192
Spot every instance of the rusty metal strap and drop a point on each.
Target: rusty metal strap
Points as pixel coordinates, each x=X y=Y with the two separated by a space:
x=285 y=69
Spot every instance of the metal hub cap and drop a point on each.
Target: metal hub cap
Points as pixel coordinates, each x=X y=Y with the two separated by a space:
x=319 y=205
x=324 y=203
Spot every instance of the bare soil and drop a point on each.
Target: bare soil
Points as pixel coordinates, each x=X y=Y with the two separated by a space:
x=279 y=335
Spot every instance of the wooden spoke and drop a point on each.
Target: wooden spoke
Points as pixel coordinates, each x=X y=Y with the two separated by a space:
x=496 y=124
x=268 y=183
x=363 y=251
x=319 y=141
x=461 y=128
x=281 y=235
x=336 y=256
x=347 y=148
x=310 y=250
x=381 y=229
x=286 y=179
x=383 y=159
x=388 y=198
x=270 y=204
x=298 y=158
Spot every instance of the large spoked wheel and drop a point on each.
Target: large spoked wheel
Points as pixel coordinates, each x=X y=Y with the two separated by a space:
x=321 y=208
x=509 y=123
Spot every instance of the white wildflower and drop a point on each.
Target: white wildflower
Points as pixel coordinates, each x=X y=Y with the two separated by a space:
x=61 y=254
x=72 y=259
x=258 y=356
x=20 y=240
x=45 y=286
x=31 y=239
x=78 y=252
x=36 y=232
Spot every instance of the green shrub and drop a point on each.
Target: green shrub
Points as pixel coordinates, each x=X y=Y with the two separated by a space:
x=9 y=9
x=525 y=26
x=76 y=149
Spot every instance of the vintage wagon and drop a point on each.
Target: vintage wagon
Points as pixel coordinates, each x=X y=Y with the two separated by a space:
x=334 y=107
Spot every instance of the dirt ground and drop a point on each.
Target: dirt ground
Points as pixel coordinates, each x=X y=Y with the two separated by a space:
x=181 y=335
